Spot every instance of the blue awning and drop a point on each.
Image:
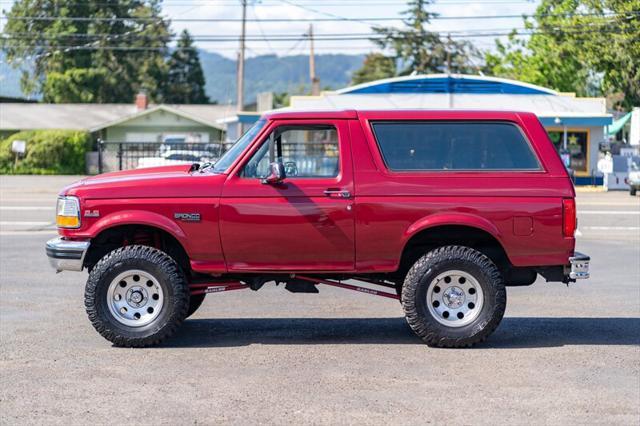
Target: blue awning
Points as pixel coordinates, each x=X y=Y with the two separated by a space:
x=586 y=121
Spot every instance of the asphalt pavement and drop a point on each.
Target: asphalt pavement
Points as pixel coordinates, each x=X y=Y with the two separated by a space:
x=562 y=355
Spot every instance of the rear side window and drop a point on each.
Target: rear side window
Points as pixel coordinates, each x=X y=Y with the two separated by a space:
x=437 y=145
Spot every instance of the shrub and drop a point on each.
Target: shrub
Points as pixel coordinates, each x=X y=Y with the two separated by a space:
x=48 y=152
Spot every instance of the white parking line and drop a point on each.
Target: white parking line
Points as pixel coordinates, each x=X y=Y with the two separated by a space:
x=607 y=212
x=49 y=200
x=40 y=232
x=607 y=203
x=612 y=228
x=25 y=208
x=24 y=223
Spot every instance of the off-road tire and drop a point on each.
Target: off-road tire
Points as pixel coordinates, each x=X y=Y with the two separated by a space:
x=194 y=303
x=169 y=276
x=420 y=277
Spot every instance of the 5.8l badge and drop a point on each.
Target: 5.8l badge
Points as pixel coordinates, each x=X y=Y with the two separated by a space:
x=187 y=217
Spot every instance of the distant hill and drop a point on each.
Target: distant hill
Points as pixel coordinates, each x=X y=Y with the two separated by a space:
x=268 y=73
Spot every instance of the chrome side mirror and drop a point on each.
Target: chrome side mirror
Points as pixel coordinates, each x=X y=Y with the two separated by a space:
x=276 y=174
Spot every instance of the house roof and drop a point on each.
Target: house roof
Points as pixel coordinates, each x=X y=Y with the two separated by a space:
x=448 y=83
x=92 y=117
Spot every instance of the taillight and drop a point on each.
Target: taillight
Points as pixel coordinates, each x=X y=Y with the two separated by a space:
x=569 y=219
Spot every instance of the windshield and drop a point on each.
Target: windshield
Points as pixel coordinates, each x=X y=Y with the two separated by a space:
x=238 y=148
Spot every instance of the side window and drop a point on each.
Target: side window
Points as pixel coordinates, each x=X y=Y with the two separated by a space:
x=454 y=146
x=305 y=151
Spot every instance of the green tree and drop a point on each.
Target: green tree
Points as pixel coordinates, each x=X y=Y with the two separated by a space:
x=116 y=49
x=376 y=66
x=421 y=51
x=185 y=84
x=80 y=85
x=281 y=100
x=590 y=47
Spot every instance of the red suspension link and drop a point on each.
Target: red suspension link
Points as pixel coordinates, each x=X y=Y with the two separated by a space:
x=349 y=287
x=216 y=287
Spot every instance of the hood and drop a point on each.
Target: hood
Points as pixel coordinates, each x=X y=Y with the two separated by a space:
x=152 y=182
x=181 y=168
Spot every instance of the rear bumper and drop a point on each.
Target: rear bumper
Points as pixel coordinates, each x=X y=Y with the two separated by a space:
x=578 y=266
x=66 y=255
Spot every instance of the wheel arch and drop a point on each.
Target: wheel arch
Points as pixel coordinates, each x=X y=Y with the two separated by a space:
x=141 y=218
x=452 y=219
x=460 y=229
x=121 y=234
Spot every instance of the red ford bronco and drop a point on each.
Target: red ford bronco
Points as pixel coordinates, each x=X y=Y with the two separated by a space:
x=444 y=208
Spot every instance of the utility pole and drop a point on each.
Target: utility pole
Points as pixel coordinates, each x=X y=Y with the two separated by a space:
x=315 y=81
x=240 y=76
x=448 y=54
x=448 y=47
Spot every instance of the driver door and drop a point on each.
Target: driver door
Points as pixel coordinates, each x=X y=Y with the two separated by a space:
x=305 y=222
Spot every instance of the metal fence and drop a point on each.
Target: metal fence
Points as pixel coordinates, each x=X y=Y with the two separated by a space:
x=113 y=156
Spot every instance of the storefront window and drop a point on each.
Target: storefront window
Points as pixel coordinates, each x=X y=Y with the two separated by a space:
x=577 y=145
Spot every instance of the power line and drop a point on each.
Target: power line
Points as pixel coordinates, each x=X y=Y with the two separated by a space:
x=320 y=37
x=135 y=35
x=255 y=13
x=63 y=49
x=330 y=15
x=461 y=36
x=333 y=48
x=309 y=9
x=328 y=19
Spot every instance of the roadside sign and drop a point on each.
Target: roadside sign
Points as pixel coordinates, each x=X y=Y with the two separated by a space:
x=19 y=147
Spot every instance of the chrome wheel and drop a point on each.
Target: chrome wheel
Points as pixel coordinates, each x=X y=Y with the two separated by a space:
x=135 y=298
x=455 y=298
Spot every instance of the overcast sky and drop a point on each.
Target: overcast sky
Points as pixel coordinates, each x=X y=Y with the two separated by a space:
x=298 y=9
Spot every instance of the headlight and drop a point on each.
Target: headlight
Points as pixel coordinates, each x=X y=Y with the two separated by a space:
x=68 y=212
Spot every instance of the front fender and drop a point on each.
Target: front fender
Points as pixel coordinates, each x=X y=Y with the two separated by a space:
x=452 y=218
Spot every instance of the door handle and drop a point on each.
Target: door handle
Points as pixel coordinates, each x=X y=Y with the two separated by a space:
x=342 y=193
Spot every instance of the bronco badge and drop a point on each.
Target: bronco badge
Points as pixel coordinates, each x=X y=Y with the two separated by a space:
x=187 y=217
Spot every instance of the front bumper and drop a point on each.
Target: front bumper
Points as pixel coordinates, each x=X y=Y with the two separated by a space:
x=66 y=255
x=579 y=264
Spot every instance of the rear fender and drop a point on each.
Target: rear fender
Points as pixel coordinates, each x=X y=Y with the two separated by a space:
x=457 y=218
